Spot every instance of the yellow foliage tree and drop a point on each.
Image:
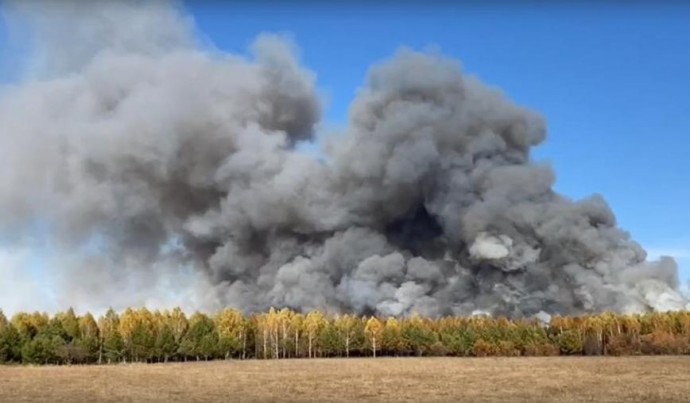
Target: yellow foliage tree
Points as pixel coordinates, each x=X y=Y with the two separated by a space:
x=373 y=330
x=313 y=323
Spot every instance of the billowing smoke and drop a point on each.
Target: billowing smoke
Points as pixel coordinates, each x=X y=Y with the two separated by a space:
x=158 y=166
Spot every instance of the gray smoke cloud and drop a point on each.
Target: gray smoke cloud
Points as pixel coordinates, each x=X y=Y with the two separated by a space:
x=166 y=171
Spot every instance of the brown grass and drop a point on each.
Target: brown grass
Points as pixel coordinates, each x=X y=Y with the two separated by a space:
x=562 y=379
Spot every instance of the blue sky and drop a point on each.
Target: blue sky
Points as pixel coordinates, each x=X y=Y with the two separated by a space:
x=611 y=80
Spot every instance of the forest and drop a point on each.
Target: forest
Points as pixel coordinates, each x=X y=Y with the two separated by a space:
x=142 y=335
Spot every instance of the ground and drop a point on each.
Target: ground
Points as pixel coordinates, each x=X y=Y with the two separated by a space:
x=562 y=379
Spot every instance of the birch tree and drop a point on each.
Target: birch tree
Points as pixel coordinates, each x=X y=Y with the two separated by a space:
x=373 y=330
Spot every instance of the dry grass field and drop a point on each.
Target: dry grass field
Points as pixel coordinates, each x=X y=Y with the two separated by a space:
x=586 y=379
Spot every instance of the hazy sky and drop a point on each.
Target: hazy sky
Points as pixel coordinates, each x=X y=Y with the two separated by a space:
x=610 y=79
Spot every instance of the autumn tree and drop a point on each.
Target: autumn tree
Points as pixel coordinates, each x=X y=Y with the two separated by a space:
x=418 y=335
x=70 y=324
x=48 y=341
x=28 y=325
x=272 y=323
x=89 y=337
x=127 y=327
x=314 y=322
x=142 y=335
x=232 y=332
x=330 y=340
x=178 y=323
x=285 y=317
x=201 y=338
x=263 y=333
x=296 y=327
x=347 y=326
x=374 y=330
x=112 y=346
x=392 y=340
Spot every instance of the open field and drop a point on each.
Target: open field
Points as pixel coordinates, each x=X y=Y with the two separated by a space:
x=563 y=379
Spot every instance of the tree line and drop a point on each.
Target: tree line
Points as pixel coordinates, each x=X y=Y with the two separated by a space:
x=141 y=335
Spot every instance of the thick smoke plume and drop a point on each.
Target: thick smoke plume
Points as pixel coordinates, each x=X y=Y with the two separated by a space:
x=156 y=165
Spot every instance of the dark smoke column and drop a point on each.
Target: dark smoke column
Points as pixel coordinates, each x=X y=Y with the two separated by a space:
x=172 y=158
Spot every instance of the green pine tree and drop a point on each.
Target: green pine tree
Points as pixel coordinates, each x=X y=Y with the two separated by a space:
x=166 y=346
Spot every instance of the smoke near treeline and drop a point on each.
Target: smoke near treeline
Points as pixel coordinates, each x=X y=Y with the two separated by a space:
x=165 y=170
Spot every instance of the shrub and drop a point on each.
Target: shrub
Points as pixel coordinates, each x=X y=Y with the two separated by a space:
x=507 y=349
x=438 y=350
x=592 y=345
x=621 y=345
x=483 y=348
x=569 y=342
x=661 y=342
